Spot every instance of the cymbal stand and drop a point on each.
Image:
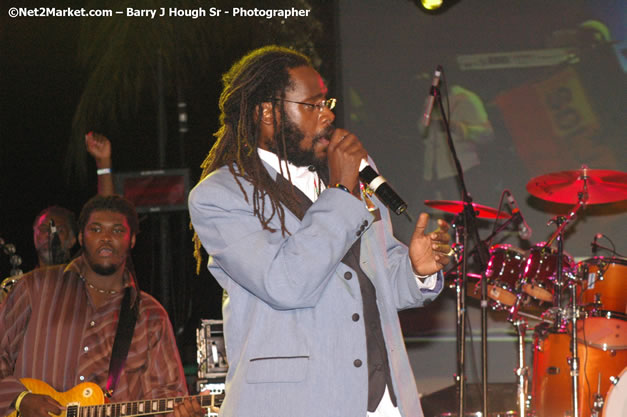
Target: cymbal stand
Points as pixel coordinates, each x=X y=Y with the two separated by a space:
x=558 y=236
x=470 y=228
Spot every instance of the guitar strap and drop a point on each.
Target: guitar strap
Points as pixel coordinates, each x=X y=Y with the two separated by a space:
x=122 y=342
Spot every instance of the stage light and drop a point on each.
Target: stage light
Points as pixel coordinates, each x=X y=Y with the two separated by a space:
x=435 y=6
x=431 y=4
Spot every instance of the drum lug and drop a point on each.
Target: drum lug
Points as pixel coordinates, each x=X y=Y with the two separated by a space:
x=598 y=403
x=614 y=379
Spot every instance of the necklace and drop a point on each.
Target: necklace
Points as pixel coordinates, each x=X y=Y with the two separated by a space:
x=100 y=290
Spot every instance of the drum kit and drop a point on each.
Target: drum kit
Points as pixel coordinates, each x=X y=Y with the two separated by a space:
x=580 y=341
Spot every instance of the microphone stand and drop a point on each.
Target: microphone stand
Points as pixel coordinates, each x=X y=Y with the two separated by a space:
x=470 y=230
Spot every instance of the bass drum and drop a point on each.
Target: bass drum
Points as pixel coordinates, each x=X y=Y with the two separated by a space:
x=616 y=401
x=551 y=383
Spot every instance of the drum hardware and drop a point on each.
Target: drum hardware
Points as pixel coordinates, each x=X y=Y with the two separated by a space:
x=522 y=371
x=597 y=404
x=616 y=399
x=457 y=207
x=580 y=187
x=567 y=187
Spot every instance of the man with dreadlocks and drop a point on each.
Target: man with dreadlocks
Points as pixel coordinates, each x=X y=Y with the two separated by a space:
x=313 y=273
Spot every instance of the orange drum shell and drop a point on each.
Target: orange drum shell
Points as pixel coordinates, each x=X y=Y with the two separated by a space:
x=605 y=280
x=551 y=383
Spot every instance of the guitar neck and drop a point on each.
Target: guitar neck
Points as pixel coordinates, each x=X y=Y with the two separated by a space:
x=139 y=408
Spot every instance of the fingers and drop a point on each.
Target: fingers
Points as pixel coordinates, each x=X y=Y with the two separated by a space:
x=189 y=407
x=344 y=155
x=54 y=406
x=346 y=143
x=421 y=224
x=37 y=405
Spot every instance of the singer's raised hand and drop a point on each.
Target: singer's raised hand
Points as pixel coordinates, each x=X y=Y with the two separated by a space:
x=344 y=155
x=429 y=252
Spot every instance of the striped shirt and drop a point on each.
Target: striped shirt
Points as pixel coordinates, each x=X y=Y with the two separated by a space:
x=51 y=330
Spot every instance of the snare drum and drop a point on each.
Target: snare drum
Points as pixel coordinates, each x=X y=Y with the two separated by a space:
x=604 y=283
x=616 y=400
x=504 y=268
x=551 y=383
x=539 y=278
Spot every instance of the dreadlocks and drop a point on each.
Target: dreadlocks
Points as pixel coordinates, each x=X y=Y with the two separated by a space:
x=258 y=77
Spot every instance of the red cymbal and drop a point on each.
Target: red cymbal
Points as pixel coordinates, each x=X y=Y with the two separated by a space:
x=565 y=187
x=483 y=212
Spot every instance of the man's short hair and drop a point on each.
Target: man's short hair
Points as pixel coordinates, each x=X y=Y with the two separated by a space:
x=69 y=216
x=114 y=203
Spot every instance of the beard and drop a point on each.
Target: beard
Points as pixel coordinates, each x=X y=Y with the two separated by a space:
x=304 y=158
x=104 y=270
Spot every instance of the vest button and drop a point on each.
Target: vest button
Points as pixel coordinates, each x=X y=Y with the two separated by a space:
x=357 y=363
x=355 y=317
x=348 y=275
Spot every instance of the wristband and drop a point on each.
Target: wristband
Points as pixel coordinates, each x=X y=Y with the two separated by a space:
x=103 y=171
x=341 y=187
x=19 y=399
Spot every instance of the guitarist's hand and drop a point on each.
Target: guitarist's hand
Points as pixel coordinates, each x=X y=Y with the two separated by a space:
x=189 y=407
x=37 y=405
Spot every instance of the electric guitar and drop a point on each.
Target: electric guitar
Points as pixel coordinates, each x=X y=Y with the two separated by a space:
x=87 y=400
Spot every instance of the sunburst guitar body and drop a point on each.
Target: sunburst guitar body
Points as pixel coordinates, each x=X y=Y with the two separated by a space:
x=87 y=400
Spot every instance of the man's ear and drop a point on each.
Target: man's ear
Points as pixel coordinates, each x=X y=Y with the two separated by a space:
x=267 y=113
x=80 y=238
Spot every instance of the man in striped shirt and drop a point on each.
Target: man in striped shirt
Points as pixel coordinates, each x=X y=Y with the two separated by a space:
x=59 y=323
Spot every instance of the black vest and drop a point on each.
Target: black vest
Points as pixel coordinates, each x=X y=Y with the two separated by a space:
x=378 y=365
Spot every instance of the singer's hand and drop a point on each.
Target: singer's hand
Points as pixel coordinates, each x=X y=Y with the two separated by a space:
x=344 y=155
x=429 y=252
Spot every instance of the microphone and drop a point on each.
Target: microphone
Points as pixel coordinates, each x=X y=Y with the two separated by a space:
x=381 y=188
x=524 y=231
x=426 y=118
x=55 y=244
x=594 y=243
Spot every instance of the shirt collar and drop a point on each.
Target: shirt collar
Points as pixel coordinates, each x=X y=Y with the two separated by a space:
x=302 y=177
x=76 y=266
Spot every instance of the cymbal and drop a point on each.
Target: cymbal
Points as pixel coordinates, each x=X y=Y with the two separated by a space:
x=483 y=212
x=602 y=186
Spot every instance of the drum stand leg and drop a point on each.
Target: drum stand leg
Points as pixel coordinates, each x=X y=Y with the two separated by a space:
x=574 y=360
x=522 y=372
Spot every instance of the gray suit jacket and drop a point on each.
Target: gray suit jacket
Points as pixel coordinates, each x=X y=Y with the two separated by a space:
x=294 y=342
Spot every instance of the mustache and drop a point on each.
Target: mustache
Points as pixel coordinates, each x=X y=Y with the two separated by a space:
x=326 y=133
